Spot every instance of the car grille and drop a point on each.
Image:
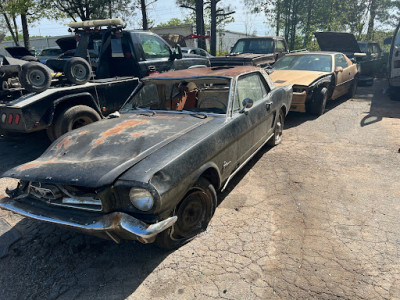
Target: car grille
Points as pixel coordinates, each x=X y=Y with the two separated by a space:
x=65 y=196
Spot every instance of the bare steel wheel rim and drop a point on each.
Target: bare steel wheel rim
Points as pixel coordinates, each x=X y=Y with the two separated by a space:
x=37 y=77
x=191 y=215
x=81 y=121
x=79 y=72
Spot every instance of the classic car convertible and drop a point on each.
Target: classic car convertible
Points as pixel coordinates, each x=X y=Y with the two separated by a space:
x=151 y=173
x=316 y=77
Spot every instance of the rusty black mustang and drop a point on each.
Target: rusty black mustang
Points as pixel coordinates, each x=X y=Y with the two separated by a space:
x=151 y=172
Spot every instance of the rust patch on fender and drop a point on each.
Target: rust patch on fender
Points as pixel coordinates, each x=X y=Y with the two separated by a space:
x=35 y=164
x=82 y=132
x=64 y=143
x=117 y=129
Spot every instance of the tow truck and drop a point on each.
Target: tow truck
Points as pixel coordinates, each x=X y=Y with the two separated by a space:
x=124 y=56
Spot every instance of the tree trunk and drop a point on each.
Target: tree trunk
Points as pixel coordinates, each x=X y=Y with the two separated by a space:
x=213 y=42
x=144 y=15
x=14 y=35
x=200 y=23
x=287 y=5
x=278 y=16
x=15 y=29
x=307 y=33
x=293 y=25
x=25 y=31
x=372 y=15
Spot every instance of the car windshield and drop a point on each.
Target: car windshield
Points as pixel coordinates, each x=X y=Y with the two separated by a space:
x=363 y=47
x=194 y=95
x=308 y=62
x=258 y=46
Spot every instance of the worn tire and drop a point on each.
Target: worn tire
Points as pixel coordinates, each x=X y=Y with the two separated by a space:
x=194 y=213
x=278 y=130
x=74 y=117
x=77 y=70
x=35 y=77
x=29 y=58
x=318 y=103
x=352 y=91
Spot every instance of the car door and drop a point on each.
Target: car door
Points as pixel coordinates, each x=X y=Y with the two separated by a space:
x=344 y=77
x=153 y=52
x=256 y=122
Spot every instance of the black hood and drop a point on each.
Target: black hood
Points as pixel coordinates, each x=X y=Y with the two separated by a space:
x=18 y=52
x=97 y=154
x=337 y=42
x=66 y=43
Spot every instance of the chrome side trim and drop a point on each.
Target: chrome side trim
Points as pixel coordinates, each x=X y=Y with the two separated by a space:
x=119 y=223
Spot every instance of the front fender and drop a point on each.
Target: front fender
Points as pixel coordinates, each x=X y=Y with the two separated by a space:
x=81 y=98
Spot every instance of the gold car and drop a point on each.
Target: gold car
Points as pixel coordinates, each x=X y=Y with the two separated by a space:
x=315 y=77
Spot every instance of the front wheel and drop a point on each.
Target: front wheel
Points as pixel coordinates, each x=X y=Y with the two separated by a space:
x=278 y=131
x=318 y=103
x=74 y=117
x=194 y=213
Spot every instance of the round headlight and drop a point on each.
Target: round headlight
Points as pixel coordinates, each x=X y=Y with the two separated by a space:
x=3 y=118
x=141 y=199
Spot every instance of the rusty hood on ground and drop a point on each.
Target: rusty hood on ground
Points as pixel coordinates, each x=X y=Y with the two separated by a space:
x=296 y=77
x=97 y=154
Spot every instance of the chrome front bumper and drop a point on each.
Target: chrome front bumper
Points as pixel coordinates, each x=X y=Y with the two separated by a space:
x=115 y=225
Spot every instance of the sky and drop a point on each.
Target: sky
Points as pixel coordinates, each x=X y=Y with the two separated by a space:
x=164 y=10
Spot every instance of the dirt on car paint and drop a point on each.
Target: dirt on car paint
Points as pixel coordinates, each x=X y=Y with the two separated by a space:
x=315 y=217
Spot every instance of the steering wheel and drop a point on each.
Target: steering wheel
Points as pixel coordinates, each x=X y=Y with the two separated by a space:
x=212 y=99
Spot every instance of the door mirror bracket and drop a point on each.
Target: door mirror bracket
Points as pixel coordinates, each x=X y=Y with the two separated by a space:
x=247 y=103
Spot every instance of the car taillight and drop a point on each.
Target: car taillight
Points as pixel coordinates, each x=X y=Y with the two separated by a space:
x=10 y=118
x=3 y=118
x=17 y=119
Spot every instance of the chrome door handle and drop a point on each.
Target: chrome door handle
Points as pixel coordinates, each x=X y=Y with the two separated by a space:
x=268 y=105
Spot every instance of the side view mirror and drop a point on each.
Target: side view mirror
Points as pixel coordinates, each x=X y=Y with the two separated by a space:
x=338 y=69
x=177 y=52
x=247 y=103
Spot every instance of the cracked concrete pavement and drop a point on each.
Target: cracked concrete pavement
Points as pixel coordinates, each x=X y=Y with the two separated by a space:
x=315 y=217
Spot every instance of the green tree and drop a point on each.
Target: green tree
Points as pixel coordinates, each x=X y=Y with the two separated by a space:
x=294 y=18
x=176 y=22
x=201 y=10
x=29 y=11
x=89 y=9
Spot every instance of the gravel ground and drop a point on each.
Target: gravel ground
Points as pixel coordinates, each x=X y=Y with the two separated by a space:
x=316 y=217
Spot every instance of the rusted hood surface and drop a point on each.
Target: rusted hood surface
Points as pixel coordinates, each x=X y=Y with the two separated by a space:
x=97 y=154
x=242 y=59
x=295 y=77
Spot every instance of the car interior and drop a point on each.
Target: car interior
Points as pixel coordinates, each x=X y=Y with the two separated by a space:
x=208 y=96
